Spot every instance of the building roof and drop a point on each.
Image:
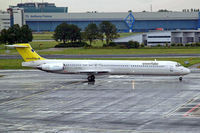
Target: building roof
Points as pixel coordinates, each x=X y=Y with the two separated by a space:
x=113 y=16
x=99 y=16
x=165 y=15
x=75 y=16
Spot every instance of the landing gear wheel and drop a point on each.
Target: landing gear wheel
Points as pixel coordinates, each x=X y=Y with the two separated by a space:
x=180 y=79
x=91 y=78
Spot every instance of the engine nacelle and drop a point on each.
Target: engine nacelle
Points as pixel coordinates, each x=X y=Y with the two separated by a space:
x=52 y=67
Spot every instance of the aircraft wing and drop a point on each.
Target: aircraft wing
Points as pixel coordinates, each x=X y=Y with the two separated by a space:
x=95 y=72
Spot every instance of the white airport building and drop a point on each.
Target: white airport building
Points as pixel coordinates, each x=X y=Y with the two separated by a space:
x=11 y=17
x=4 y=20
x=46 y=16
x=154 y=38
x=18 y=16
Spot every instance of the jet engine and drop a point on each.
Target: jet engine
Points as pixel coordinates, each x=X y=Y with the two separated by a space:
x=51 y=67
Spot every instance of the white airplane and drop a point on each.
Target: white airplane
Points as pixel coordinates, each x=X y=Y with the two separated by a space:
x=99 y=67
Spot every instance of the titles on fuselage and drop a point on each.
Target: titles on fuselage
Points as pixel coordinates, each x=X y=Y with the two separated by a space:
x=150 y=64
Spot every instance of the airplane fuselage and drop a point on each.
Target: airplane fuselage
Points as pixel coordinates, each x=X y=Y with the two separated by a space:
x=112 y=67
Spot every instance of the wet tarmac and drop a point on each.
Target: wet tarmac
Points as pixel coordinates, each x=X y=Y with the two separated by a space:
x=35 y=101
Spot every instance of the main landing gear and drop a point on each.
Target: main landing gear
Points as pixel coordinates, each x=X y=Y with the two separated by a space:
x=180 y=79
x=91 y=78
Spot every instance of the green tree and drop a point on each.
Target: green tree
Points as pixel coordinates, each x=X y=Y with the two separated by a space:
x=26 y=34
x=65 y=32
x=14 y=34
x=75 y=33
x=60 y=33
x=133 y=44
x=109 y=30
x=4 y=36
x=91 y=33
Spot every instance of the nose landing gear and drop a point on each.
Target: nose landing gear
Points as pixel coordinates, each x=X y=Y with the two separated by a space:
x=180 y=79
x=91 y=78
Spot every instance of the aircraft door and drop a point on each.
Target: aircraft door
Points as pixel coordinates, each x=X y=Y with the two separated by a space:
x=171 y=69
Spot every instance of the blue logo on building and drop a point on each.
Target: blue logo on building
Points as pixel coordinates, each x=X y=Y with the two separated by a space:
x=130 y=21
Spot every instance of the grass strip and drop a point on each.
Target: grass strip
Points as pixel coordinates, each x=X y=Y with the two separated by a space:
x=48 y=36
x=81 y=51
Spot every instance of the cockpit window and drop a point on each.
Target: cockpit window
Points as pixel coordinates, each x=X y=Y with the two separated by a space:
x=178 y=65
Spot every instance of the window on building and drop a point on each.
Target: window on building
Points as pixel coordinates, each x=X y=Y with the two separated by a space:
x=159 y=36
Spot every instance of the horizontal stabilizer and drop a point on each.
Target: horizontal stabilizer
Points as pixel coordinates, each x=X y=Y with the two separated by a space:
x=26 y=51
x=16 y=46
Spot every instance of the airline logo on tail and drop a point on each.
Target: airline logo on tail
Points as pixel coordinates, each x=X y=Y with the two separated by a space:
x=27 y=53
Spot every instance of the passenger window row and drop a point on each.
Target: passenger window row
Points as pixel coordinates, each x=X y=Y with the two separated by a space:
x=79 y=65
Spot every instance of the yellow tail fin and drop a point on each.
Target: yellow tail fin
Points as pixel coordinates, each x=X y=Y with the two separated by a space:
x=27 y=53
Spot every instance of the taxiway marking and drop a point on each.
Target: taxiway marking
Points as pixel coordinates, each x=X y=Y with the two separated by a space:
x=133 y=84
x=191 y=110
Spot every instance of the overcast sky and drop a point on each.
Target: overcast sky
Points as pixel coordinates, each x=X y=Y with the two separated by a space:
x=113 y=5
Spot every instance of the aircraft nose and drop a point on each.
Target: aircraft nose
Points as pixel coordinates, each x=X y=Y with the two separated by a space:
x=187 y=71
